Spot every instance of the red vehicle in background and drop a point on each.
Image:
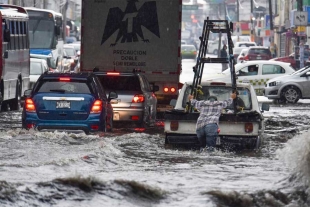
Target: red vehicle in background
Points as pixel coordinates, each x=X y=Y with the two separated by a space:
x=291 y=59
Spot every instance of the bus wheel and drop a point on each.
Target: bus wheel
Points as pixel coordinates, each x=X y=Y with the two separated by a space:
x=15 y=103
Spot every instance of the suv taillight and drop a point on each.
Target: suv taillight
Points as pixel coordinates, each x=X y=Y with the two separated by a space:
x=97 y=107
x=29 y=105
x=138 y=98
x=246 y=57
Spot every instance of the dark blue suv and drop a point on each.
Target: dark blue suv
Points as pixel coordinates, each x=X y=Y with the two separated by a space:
x=73 y=102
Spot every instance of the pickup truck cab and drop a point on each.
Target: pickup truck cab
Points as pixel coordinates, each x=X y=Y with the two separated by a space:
x=244 y=128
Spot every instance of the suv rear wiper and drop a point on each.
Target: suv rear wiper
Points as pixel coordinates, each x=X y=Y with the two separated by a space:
x=58 y=90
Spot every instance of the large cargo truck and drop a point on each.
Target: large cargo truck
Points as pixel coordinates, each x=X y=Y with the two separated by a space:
x=127 y=35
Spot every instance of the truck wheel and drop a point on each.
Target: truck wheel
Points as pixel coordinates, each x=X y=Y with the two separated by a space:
x=15 y=103
x=291 y=94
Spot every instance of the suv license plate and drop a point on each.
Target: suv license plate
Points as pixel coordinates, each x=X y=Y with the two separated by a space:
x=116 y=116
x=63 y=105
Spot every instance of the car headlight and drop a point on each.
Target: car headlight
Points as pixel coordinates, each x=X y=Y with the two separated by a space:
x=274 y=83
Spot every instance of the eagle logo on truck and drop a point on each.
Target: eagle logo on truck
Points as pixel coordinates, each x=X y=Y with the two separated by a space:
x=130 y=21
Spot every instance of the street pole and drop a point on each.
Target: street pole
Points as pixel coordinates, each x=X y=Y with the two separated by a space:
x=299 y=8
x=272 y=48
x=252 y=26
x=237 y=19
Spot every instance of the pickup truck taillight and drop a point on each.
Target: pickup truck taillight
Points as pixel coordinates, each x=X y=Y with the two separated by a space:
x=138 y=98
x=174 y=125
x=248 y=127
x=97 y=107
x=29 y=105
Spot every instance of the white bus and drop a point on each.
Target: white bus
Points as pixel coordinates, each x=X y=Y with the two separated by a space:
x=15 y=60
x=46 y=34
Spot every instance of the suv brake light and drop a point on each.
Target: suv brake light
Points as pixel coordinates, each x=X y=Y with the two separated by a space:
x=112 y=73
x=97 y=107
x=64 y=79
x=29 y=105
x=138 y=98
x=246 y=57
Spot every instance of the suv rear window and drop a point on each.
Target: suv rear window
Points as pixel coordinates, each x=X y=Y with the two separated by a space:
x=66 y=87
x=259 y=51
x=124 y=83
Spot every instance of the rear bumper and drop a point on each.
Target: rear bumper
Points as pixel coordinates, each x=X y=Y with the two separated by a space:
x=74 y=126
x=128 y=114
x=192 y=139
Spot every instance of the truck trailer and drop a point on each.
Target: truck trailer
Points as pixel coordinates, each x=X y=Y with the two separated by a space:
x=127 y=35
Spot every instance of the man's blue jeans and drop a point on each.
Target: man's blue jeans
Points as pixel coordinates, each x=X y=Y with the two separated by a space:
x=207 y=135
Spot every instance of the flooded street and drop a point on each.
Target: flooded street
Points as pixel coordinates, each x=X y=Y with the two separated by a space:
x=134 y=168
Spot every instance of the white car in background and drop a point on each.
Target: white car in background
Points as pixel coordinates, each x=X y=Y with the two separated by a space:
x=239 y=46
x=37 y=68
x=289 y=88
x=240 y=57
x=263 y=71
x=214 y=45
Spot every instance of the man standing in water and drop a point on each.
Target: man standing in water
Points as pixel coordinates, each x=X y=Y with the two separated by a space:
x=208 y=120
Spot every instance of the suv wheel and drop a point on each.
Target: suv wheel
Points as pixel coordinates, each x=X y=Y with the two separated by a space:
x=109 y=124
x=291 y=94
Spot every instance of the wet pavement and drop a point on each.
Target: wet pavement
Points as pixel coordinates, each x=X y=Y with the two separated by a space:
x=132 y=167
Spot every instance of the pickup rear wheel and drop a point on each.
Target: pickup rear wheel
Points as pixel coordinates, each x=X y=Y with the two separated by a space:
x=291 y=94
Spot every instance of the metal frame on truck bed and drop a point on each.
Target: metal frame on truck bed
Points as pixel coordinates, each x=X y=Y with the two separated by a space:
x=214 y=26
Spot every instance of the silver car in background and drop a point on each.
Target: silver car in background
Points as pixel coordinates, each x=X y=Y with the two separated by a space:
x=136 y=102
x=289 y=88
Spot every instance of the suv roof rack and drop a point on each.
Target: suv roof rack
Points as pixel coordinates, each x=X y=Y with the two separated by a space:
x=214 y=26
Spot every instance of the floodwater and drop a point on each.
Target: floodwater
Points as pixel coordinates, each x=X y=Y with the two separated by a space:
x=134 y=168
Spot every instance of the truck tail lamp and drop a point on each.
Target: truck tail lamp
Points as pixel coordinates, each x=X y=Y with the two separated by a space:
x=248 y=127
x=174 y=125
x=29 y=105
x=139 y=98
x=172 y=89
x=97 y=107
